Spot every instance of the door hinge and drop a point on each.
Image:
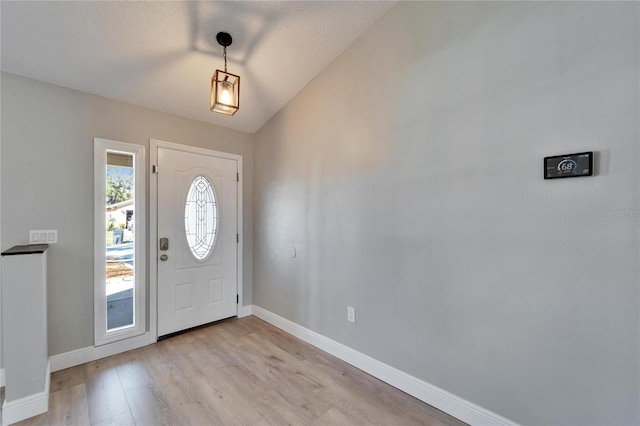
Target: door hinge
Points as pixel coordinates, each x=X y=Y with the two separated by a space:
x=154 y=169
x=237 y=238
x=237 y=299
x=238 y=177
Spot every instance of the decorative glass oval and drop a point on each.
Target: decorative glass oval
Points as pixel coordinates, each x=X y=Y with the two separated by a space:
x=200 y=218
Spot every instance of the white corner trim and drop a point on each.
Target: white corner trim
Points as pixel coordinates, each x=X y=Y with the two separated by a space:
x=29 y=406
x=451 y=404
x=244 y=311
x=1 y=377
x=92 y=353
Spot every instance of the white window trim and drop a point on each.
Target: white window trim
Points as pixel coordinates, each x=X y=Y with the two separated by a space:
x=101 y=335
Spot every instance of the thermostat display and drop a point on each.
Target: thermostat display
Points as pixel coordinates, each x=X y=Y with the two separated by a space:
x=569 y=165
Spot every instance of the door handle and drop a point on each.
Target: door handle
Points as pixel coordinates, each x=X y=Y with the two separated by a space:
x=164 y=244
x=164 y=257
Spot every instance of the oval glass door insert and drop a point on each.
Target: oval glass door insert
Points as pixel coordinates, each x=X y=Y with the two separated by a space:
x=200 y=218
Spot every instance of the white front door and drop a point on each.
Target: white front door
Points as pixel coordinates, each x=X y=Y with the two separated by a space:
x=197 y=239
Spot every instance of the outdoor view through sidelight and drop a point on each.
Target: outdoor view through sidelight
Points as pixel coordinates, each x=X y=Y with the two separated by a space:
x=120 y=240
x=119 y=235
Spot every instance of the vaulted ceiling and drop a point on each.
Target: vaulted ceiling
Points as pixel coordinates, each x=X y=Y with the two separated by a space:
x=161 y=55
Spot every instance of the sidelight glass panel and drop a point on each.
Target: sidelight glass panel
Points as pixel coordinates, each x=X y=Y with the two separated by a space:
x=120 y=239
x=200 y=218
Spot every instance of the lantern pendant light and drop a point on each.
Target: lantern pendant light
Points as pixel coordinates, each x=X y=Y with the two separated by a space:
x=225 y=87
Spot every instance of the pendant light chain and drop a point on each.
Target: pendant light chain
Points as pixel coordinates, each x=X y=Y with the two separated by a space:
x=225 y=58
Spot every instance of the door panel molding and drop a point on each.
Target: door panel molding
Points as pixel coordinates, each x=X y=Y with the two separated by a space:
x=154 y=144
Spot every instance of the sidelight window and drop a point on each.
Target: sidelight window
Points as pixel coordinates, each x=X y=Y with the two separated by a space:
x=119 y=241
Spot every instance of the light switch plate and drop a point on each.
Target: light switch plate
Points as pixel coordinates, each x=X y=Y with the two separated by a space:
x=46 y=236
x=351 y=314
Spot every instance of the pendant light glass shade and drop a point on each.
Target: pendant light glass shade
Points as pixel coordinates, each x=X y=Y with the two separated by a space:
x=225 y=93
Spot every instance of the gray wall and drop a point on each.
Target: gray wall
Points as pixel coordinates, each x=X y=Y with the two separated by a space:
x=408 y=176
x=47 y=183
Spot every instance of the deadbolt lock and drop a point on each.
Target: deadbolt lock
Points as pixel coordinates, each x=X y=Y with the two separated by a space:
x=164 y=244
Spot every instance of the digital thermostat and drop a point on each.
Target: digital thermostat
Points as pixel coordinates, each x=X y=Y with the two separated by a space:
x=568 y=165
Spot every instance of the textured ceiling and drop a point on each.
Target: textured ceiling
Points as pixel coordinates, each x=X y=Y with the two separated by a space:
x=161 y=55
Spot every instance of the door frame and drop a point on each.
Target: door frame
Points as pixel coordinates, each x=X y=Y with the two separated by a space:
x=154 y=144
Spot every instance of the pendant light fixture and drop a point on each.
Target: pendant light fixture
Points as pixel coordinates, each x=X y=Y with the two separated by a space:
x=225 y=87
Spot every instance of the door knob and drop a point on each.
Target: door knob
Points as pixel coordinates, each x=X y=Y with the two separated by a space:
x=164 y=257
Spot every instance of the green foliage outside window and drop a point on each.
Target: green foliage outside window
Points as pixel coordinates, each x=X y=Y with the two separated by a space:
x=117 y=192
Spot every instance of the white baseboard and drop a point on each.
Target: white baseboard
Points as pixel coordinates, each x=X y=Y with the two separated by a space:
x=244 y=311
x=92 y=353
x=451 y=404
x=29 y=406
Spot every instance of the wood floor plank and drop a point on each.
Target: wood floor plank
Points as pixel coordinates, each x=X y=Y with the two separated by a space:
x=66 y=378
x=405 y=406
x=147 y=408
x=78 y=410
x=238 y=372
x=122 y=419
x=67 y=406
x=105 y=395
x=334 y=416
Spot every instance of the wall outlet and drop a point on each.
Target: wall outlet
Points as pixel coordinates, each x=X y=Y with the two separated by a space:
x=49 y=236
x=351 y=314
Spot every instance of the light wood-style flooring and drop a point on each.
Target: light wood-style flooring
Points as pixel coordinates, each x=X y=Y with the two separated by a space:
x=239 y=372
